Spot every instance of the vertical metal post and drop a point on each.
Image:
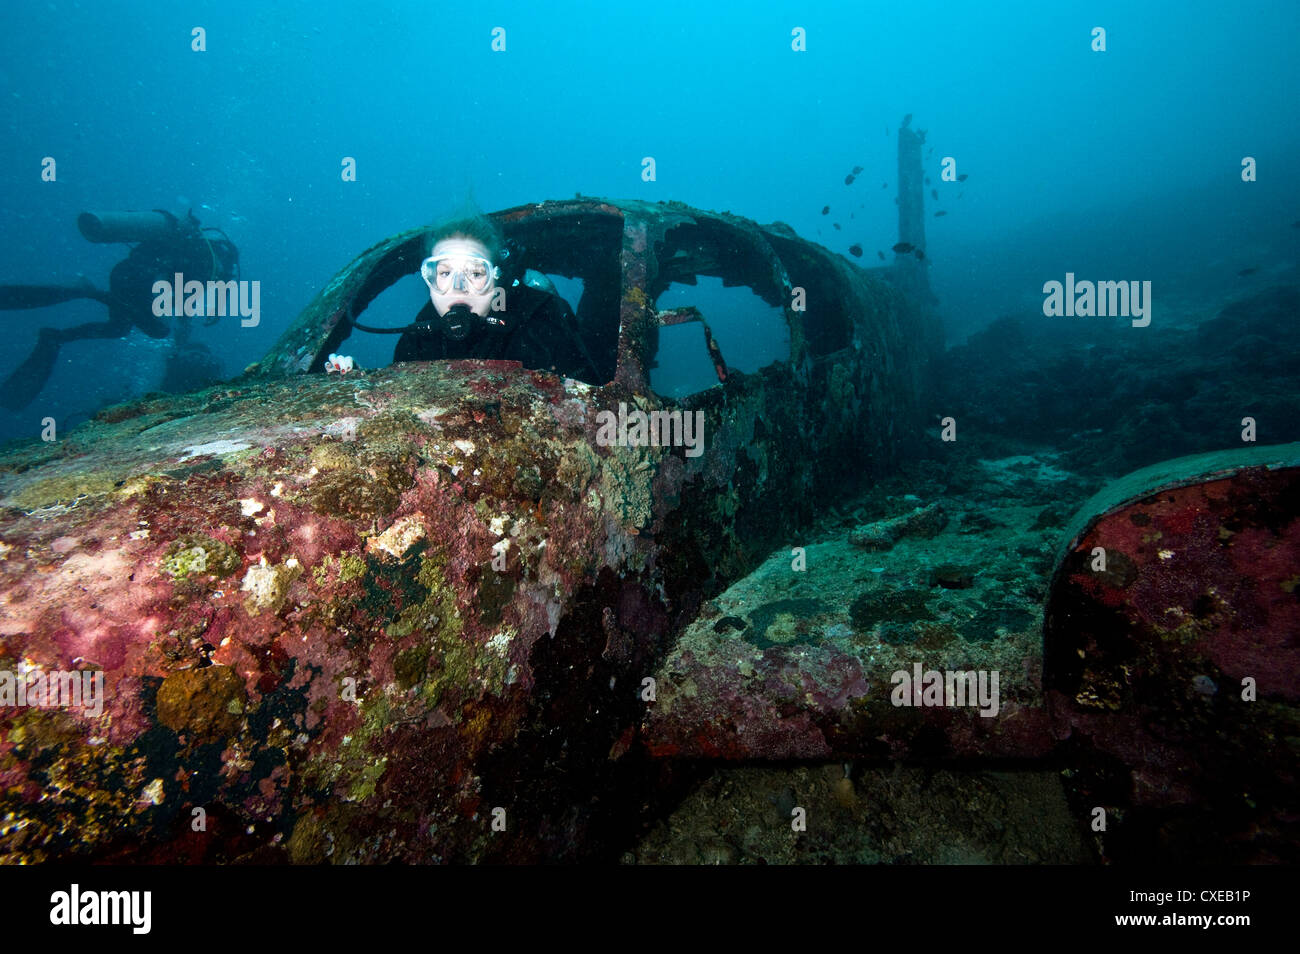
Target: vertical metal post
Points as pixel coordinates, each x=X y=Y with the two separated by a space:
x=911 y=210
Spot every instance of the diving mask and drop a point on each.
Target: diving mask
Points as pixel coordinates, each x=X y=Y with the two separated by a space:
x=457 y=272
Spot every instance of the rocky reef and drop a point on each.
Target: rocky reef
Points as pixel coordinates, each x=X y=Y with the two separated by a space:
x=1114 y=400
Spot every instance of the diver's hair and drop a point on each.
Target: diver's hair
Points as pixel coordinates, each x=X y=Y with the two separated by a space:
x=476 y=226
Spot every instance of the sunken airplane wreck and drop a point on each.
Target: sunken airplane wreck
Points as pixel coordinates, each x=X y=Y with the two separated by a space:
x=383 y=616
x=410 y=614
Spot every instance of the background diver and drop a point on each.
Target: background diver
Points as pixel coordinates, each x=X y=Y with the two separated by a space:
x=475 y=312
x=166 y=245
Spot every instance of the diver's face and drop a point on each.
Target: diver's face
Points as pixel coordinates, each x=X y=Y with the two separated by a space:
x=459 y=272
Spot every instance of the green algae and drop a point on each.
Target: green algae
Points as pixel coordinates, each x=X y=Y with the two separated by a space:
x=464 y=669
x=446 y=665
x=456 y=666
x=437 y=610
x=356 y=768
x=363 y=786
x=346 y=567
x=783 y=622
x=195 y=554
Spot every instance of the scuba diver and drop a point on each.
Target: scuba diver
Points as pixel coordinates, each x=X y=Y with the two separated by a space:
x=167 y=245
x=473 y=312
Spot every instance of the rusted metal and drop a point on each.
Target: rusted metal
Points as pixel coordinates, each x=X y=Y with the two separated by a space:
x=392 y=599
x=1166 y=675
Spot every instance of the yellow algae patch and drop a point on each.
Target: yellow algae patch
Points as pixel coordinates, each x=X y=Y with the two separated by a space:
x=63 y=489
x=268 y=586
x=396 y=542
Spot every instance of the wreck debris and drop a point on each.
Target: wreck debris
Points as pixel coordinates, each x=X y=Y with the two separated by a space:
x=393 y=599
x=923 y=522
x=1142 y=674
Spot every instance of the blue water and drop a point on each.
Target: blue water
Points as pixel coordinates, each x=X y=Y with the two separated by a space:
x=1123 y=164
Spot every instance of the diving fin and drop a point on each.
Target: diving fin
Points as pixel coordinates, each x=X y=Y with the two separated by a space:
x=21 y=387
x=14 y=297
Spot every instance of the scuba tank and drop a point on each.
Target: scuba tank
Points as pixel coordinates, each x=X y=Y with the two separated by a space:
x=160 y=226
x=106 y=227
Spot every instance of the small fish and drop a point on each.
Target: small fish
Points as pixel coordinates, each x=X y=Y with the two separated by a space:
x=940 y=213
x=884 y=185
x=962 y=178
x=906 y=119
x=881 y=254
x=848 y=180
x=856 y=170
x=902 y=248
x=886 y=132
x=837 y=226
x=927 y=180
x=1248 y=271
x=826 y=210
x=855 y=251
x=920 y=255
x=934 y=194
x=850 y=215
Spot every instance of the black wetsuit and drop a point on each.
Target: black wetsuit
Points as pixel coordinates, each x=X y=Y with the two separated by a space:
x=540 y=332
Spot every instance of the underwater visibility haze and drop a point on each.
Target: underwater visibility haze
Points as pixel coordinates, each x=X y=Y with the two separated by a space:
x=650 y=434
